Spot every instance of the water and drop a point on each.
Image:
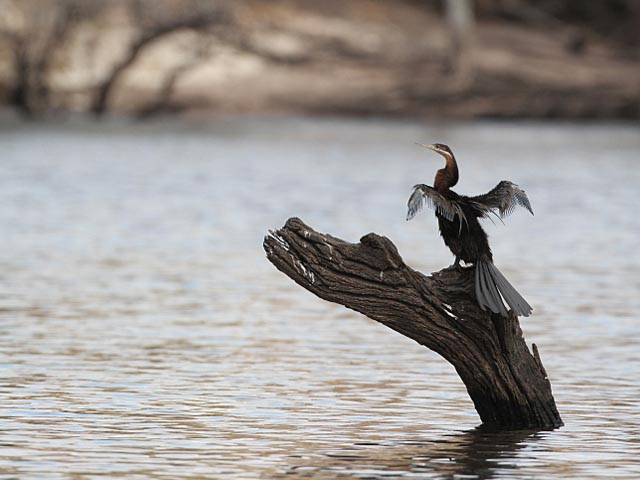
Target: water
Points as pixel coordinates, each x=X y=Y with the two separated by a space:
x=144 y=335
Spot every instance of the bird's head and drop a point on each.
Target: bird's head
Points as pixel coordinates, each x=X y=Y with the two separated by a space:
x=440 y=148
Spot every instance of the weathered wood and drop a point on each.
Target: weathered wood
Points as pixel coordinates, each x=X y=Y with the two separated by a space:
x=507 y=384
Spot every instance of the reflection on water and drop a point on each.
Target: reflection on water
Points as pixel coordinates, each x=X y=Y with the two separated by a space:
x=473 y=453
x=143 y=334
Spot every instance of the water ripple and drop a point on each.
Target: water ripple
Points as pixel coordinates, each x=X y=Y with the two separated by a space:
x=143 y=334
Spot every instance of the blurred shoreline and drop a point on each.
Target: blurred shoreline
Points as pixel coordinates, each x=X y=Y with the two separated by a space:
x=295 y=123
x=359 y=58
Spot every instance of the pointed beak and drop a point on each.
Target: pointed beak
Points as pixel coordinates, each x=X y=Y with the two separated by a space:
x=430 y=147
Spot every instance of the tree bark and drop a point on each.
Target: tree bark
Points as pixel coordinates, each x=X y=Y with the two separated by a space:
x=460 y=21
x=507 y=384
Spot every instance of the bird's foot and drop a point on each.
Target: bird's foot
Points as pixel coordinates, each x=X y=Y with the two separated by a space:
x=456 y=265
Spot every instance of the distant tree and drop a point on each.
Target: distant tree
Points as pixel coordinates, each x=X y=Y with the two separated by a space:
x=34 y=33
x=460 y=20
x=163 y=101
x=156 y=20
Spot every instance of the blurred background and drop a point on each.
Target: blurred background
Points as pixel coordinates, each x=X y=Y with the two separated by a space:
x=147 y=146
x=435 y=58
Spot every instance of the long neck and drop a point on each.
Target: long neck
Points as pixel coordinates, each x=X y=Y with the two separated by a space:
x=447 y=177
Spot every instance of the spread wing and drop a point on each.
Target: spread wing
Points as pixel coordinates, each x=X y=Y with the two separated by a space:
x=502 y=200
x=425 y=195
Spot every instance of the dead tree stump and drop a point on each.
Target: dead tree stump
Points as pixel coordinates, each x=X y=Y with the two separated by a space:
x=507 y=384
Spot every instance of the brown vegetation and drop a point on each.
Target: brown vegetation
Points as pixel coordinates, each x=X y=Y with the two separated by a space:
x=512 y=58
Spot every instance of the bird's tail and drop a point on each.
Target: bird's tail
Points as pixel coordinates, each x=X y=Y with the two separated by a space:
x=491 y=285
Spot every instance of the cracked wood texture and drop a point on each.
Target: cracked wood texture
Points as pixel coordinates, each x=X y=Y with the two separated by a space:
x=507 y=384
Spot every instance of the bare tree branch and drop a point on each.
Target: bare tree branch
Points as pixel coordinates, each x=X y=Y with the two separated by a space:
x=199 y=20
x=166 y=91
x=35 y=42
x=506 y=383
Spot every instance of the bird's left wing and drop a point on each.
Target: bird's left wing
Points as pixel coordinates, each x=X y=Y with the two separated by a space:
x=502 y=200
x=424 y=194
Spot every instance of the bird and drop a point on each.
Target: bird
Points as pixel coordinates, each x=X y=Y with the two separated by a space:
x=461 y=231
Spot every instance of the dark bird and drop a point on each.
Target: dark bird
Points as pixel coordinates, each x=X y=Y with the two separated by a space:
x=458 y=221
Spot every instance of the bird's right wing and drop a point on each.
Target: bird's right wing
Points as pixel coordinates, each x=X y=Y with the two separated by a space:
x=425 y=195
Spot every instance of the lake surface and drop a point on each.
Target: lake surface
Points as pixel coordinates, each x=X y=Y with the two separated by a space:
x=143 y=334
